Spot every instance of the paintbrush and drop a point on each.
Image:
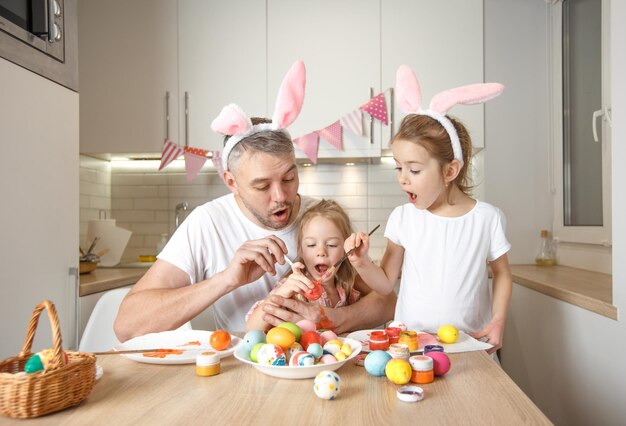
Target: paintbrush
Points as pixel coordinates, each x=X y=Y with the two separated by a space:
x=132 y=351
x=330 y=271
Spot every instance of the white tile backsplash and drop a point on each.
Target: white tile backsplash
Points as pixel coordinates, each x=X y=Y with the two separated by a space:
x=143 y=199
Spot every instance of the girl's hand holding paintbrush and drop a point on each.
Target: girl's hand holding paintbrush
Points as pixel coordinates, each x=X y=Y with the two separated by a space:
x=357 y=246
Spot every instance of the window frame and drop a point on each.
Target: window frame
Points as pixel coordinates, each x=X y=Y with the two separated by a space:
x=597 y=235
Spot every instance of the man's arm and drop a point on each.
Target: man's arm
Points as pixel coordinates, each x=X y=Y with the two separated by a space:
x=163 y=298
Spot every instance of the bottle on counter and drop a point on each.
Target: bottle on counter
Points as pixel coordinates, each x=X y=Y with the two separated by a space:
x=546 y=255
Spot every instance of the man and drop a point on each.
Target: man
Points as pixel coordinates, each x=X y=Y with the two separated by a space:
x=232 y=248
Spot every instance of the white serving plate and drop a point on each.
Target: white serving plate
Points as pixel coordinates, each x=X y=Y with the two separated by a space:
x=299 y=372
x=465 y=342
x=175 y=339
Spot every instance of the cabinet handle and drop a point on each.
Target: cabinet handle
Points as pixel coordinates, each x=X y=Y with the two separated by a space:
x=391 y=115
x=371 y=120
x=167 y=116
x=186 y=118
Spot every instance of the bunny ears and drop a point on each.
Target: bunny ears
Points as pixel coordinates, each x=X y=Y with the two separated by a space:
x=234 y=122
x=409 y=96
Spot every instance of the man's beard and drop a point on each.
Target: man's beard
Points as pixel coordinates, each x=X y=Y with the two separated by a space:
x=266 y=219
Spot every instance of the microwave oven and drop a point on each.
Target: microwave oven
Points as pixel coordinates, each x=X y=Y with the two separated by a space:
x=40 y=35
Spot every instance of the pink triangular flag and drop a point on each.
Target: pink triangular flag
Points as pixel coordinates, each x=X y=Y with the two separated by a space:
x=377 y=108
x=353 y=121
x=333 y=135
x=309 y=145
x=194 y=160
x=171 y=152
x=217 y=163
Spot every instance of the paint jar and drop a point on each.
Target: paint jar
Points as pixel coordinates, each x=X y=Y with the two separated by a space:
x=432 y=348
x=379 y=340
x=422 y=367
x=399 y=351
x=409 y=338
x=208 y=364
x=393 y=333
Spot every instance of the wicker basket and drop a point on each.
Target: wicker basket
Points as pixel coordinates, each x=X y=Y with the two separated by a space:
x=57 y=387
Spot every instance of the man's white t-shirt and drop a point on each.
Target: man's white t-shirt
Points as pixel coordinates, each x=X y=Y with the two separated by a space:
x=205 y=243
x=444 y=274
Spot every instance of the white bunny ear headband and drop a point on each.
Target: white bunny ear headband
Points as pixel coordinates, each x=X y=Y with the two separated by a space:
x=409 y=97
x=234 y=122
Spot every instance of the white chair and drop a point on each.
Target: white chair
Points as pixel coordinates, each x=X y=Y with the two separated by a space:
x=99 y=335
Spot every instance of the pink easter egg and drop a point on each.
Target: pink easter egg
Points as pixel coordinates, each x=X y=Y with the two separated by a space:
x=306 y=325
x=328 y=359
x=327 y=336
x=441 y=362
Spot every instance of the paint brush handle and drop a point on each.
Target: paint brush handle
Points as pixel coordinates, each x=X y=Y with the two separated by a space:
x=129 y=351
x=334 y=268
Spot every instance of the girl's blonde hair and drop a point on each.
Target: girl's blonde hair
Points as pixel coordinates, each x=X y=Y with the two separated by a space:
x=430 y=134
x=332 y=211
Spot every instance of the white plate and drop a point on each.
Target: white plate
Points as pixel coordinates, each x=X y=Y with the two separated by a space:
x=299 y=372
x=465 y=342
x=176 y=339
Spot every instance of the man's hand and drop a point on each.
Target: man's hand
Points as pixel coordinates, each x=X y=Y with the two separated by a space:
x=253 y=259
x=281 y=310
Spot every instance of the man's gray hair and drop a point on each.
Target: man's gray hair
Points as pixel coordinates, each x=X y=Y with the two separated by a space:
x=268 y=141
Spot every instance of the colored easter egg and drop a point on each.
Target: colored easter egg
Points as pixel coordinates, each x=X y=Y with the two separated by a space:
x=303 y=359
x=333 y=346
x=327 y=336
x=280 y=336
x=33 y=364
x=441 y=362
x=219 y=340
x=297 y=331
x=309 y=337
x=315 y=349
x=253 y=337
x=271 y=354
x=306 y=325
x=295 y=347
x=448 y=333
x=375 y=363
x=327 y=359
x=326 y=385
x=254 y=351
x=399 y=371
x=294 y=360
x=398 y=324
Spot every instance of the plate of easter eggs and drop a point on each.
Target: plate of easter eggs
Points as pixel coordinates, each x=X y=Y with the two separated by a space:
x=296 y=351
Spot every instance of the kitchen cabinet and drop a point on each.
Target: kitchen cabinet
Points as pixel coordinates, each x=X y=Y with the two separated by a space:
x=128 y=63
x=339 y=43
x=222 y=60
x=443 y=43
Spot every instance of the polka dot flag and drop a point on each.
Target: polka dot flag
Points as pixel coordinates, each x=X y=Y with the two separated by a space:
x=333 y=135
x=194 y=160
x=377 y=108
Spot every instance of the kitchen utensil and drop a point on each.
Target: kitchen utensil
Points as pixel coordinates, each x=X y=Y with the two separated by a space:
x=93 y=244
x=129 y=351
x=330 y=271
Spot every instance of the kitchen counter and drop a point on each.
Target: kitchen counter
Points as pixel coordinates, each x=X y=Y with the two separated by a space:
x=475 y=391
x=103 y=279
x=589 y=290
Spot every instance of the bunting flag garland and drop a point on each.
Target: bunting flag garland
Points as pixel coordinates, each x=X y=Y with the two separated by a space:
x=309 y=144
x=353 y=122
x=377 y=108
x=216 y=158
x=333 y=135
x=171 y=151
x=194 y=160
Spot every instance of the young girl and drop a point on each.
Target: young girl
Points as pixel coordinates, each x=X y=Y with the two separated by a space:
x=321 y=233
x=443 y=240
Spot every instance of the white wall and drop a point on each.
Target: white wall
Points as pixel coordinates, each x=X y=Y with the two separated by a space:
x=568 y=361
x=39 y=214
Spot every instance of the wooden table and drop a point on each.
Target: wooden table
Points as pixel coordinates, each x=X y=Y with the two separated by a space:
x=475 y=391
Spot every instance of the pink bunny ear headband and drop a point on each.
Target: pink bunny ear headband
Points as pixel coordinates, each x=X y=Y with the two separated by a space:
x=409 y=97
x=234 y=122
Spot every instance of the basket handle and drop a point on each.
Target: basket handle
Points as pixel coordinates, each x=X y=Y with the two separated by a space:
x=59 y=359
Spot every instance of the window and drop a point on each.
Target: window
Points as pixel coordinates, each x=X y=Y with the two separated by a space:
x=581 y=125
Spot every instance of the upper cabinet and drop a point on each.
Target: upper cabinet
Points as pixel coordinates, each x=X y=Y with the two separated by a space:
x=442 y=41
x=339 y=43
x=222 y=60
x=127 y=65
x=208 y=53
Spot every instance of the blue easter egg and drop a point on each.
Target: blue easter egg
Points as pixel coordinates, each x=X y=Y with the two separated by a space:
x=375 y=363
x=315 y=349
x=253 y=337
